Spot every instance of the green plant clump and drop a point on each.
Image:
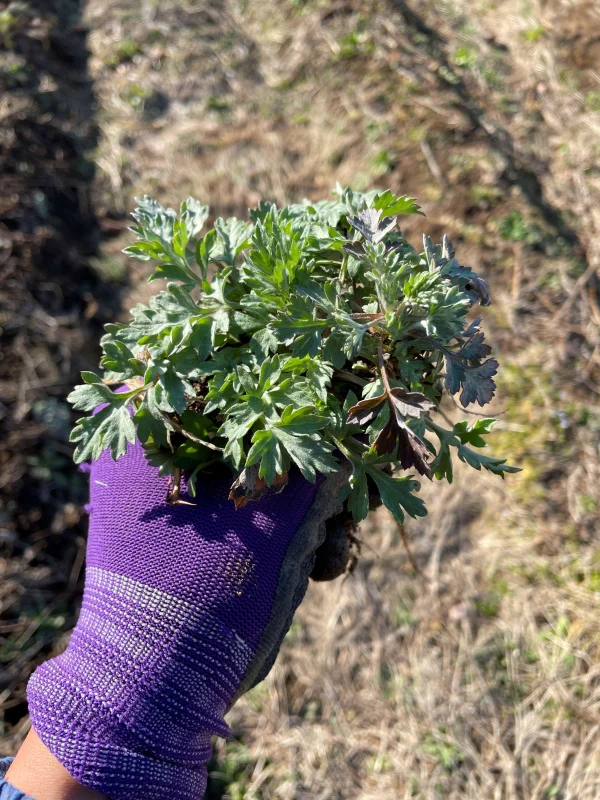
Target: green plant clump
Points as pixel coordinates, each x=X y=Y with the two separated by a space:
x=309 y=335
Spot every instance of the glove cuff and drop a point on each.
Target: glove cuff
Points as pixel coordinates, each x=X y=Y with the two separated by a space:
x=130 y=706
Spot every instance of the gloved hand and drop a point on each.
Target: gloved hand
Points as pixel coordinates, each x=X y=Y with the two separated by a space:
x=184 y=609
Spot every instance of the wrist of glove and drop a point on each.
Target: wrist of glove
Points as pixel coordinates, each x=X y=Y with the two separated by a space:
x=184 y=609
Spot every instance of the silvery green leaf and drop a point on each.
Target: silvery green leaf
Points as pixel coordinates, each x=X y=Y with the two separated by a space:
x=233 y=236
x=266 y=451
x=155 y=218
x=236 y=427
x=358 y=495
x=150 y=421
x=310 y=453
x=112 y=429
x=370 y=224
x=194 y=215
x=269 y=330
x=264 y=341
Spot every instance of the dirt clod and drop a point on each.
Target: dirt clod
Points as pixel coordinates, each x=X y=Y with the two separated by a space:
x=335 y=556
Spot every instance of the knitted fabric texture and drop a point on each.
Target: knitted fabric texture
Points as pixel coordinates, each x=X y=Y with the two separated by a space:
x=176 y=603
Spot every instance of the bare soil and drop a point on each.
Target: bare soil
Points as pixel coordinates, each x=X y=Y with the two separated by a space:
x=51 y=306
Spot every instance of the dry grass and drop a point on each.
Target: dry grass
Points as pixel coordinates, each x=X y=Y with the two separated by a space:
x=481 y=680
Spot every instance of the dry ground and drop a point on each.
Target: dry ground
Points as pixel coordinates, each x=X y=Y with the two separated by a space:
x=480 y=679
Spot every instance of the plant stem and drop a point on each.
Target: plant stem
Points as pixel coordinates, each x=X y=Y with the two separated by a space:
x=342 y=274
x=134 y=392
x=382 y=369
x=174 y=489
x=348 y=376
x=191 y=436
x=342 y=447
x=440 y=432
x=438 y=346
x=409 y=554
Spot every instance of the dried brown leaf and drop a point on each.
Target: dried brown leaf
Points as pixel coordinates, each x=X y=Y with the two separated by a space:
x=410 y=404
x=248 y=486
x=365 y=411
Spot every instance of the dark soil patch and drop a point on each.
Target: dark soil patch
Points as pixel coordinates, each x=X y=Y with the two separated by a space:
x=51 y=309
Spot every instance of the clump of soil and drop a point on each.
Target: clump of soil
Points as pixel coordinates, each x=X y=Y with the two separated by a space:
x=337 y=555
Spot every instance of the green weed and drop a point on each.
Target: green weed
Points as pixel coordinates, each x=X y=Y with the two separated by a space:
x=382 y=162
x=489 y=604
x=402 y=615
x=485 y=196
x=257 y=696
x=123 y=52
x=464 y=57
x=591 y=101
x=215 y=103
x=356 y=43
x=534 y=34
x=515 y=228
x=9 y=23
x=553 y=793
x=15 y=73
x=378 y=764
x=229 y=775
x=446 y=753
x=135 y=95
x=109 y=268
x=388 y=680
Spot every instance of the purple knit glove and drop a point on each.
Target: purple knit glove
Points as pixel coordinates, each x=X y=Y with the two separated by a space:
x=184 y=609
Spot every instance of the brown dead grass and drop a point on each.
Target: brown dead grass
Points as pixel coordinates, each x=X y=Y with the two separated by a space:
x=481 y=680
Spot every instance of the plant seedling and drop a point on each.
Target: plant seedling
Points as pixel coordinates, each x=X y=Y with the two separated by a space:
x=307 y=335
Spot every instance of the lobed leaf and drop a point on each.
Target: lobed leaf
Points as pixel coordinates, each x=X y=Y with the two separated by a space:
x=371 y=226
x=266 y=332
x=475 y=381
x=398 y=495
